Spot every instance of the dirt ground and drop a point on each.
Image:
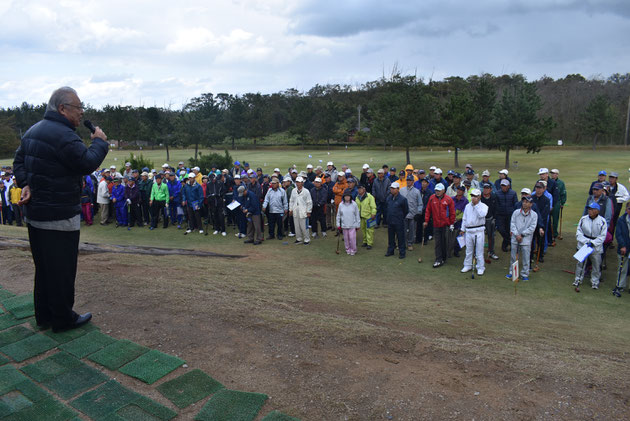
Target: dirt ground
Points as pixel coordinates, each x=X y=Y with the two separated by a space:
x=322 y=378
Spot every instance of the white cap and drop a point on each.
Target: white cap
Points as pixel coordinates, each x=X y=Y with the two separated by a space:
x=438 y=171
x=112 y=167
x=485 y=173
x=433 y=168
x=182 y=172
x=309 y=166
x=127 y=164
x=164 y=165
x=287 y=179
x=237 y=176
x=181 y=163
x=555 y=171
x=276 y=170
x=191 y=175
x=197 y=168
x=341 y=174
x=475 y=192
x=380 y=171
x=299 y=180
x=395 y=185
x=439 y=186
x=293 y=171
x=251 y=171
x=329 y=163
x=543 y=171
x=366 y=166
x=526 y=190
x=505 y=182
x=317 y=180
x=504 y=171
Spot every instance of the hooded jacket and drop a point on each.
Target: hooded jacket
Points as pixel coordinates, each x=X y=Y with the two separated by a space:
x=524 y=225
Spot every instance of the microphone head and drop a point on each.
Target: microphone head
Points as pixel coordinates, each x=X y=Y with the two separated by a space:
x=89 y=125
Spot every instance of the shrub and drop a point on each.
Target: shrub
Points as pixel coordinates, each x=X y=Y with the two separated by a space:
x=138 y=162
x=205 y=162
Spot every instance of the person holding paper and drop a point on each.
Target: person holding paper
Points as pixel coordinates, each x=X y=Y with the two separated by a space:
x=622 y=233
x=473 y=225
x=367 y=211
x=591 y=230
x=522 y=227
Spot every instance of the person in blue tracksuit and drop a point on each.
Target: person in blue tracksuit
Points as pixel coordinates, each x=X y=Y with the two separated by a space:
x=192 y=200
x=120 y=203
x=175 y=198
x=397 y=210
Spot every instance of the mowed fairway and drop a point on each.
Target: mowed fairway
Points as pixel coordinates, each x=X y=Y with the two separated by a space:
x=375 y=336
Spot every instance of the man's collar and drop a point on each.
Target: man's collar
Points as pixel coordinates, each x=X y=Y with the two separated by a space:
x=55 y=116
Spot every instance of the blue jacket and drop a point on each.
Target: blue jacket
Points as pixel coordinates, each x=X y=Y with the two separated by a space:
x=622 y=234
x=397 y=209
x=252 y=203
x=434 y=183
x=192 y=195
x=118 y=193
x=51 y=160
x=175 y=190
x=543 y=210
x=506 y=202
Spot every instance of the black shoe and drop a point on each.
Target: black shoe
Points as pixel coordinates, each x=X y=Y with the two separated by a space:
x=504 y=249
x=296 y=242
x=80 y=321
x=364 y=245
x=369 y=247
x=257 y=242
x=456 y=253
x=307 y=243
x=271 y=237
x=280 y=237
x=248 y=241
x=389 y=254
x=402 y=256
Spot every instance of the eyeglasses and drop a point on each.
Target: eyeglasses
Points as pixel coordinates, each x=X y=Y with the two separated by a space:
x=80 y=107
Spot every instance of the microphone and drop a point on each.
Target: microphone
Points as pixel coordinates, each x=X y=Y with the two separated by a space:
x=89 y=125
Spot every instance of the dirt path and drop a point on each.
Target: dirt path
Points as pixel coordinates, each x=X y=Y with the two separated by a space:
x=317 y=379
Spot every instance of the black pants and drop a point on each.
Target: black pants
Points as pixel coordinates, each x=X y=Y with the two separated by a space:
x=55 y=257
x=275 y=220
x=490 y=228
x=17 y=213
x=157 y=210
x=441 y=243
x=289 y=225
x=194 y=218
x=318 y=215
x=135 y=215
x=145 y=208
x=503 y=226
x=396 y=231
x=218 y=220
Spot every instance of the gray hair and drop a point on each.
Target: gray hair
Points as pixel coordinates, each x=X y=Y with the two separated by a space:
x=60 y=96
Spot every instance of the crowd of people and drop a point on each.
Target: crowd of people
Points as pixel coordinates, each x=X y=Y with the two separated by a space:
x=454 y=210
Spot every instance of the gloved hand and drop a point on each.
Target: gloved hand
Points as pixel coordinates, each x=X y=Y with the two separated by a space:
x=129 y=201
x=339 y=230
x=452 y=227
x=166 y=206
x=590 y=244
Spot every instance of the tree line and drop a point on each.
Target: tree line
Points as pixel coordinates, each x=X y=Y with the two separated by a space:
x=404 y=111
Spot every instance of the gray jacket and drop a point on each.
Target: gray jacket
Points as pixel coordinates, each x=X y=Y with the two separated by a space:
x=414 y=200
x=524 y=225
x=276 y=200
x=380 y=189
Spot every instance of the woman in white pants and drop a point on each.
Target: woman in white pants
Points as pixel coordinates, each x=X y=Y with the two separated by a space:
x=473 y=226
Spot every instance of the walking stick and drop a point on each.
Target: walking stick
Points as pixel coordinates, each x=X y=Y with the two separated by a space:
x=616 y=292
x=474 y=256
x=540 y=246
x=338 y=241
x=421 y=247
x=518 y=248
x=560 y=234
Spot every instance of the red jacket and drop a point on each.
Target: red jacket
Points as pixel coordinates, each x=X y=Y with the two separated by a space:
x=442 y=210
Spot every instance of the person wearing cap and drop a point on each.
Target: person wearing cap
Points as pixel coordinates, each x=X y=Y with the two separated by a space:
x=339 y=187
x=287 y=222
x=237 y=213
x=380 y=191
x=410 y=171
x=622 y=234
x=543 y=203
x=5 y=201
x=191 y=201
x=503 y=175
x=133 y=199
x=120 y=203
x=103 y=197
x=15 y=196
x=489 y=198
x=310 y=174
x=440 y=209
x=277 y=204
x=392 y=175
x=601 y=177
x=348 y=221
x=352 y=185
x=252 y=213
x=215 y=197
x=127 y=172
x=367 y=211
x=176 y=211
x=485 y=178
x=437 y=179
x=113 y=173
x=461 y=199
x=618 y=193
x=554 y=198
x=602 y=200
x=86 y=203
x=591 y=230
x=559 y=204
x=300 y=208
x=236 y=169
x=145 y=186
x=319 y=195
x=332 y=171
x=523 y=223
x=457 y=181
x=432 y=169
x=422 y=233
x=473 y=227
x=369 y=181
x=158 y=200
x=397 y=209
x=364 y=174
x=470 y=176
x=506 y=201
x=415 y=205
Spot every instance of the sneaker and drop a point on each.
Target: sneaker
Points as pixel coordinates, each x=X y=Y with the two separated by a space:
x=437 y=264
x=525 y=278
x=237 y=235
x=179 y=227
x=314 y=235
x=509 y=276
x=224 y=233
x=369 y=247
x=200 y=231
x=409 y=248
x=324 y=234
x=576 y=283
x=466 y=269
x=215 y=233
x=595 y=286
x=188 y=231
x=430 y=237
x=364 y=245
x=616 y=292
x=296 y=242
x=128 y=228
x=306 y=243
x=291 y=234
x=493 y=256
x=480 y=272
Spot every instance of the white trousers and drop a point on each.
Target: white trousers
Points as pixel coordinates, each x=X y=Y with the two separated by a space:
x=301 y=231
x=476 y=236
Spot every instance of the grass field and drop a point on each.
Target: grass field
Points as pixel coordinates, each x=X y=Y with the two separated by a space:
x=543 y=328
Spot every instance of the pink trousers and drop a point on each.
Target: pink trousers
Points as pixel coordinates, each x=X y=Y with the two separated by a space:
x=350 y=240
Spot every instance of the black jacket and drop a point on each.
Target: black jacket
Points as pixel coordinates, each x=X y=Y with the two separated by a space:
x=51 y=160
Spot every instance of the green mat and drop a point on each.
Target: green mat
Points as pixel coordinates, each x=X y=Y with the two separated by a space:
x=3 y=360
x=69 y=335
x=17 y=392
x=7 y=321
x=87 y=344
x=189 y=388
x=152 y=366
x=4 y=294
x=112 y=401
x=75 y=381
x=21 y=306
x=232 y=405
x=29 y=347
x=48 y=409
x=117 y=354
x=13 y=335
x=51 y=367
x=278 y=416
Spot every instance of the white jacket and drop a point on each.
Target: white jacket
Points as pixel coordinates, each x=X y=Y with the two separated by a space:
x=593 y=231
x=102 y=195
x=348 y=215
x=300 y=203
x=622 y=195
x=474 y=216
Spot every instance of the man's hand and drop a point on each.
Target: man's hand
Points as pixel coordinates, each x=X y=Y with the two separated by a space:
x=150 y=202
x=462 y=233
x=290 y=213
x=425 y=224
x=98 y=133
x=114 y=200
x=26 y=195
x=451 y=227
x=372 y=216
x=519 y=238
x=622 y=251
x=308 y=214
x=542 y=232
x=184 y=203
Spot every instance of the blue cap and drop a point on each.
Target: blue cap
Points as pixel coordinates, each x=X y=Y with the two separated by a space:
x=594 y=205
x=451 y=172
x=598 y=186
x=602 y=172
x=237 y=163
x=410 y=178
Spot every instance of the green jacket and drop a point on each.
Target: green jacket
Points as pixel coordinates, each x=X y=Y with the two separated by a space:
x=145 y=188
x=159 y=192
x=562 y=189
x=367 y=206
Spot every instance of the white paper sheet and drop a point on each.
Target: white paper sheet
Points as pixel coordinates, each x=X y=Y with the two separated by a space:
x=233 y=205
x=583 y=253
x=461 y=240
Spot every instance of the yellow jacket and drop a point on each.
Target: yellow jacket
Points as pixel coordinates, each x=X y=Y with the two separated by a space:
x=15 y=194
x=367 y=206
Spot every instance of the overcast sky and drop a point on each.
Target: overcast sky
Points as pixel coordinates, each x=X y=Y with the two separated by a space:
x=158 y=52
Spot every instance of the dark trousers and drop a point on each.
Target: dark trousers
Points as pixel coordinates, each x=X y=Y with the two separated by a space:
x=17 y=213
x=55 y=258
x=145 y=208
x=275 y=220
x=135 y=215
x=381 y=212
x=289 y=225
x=503 y=226
x=194 y=218
x=7 y=215
x=157 y=210
x=396 y=231
x=490 y=228
x=318 y=215
x=441 y=243
x=218 y=220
